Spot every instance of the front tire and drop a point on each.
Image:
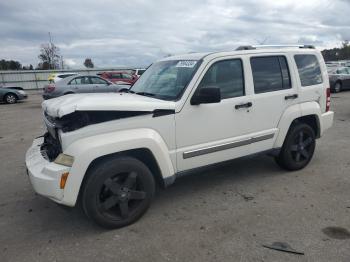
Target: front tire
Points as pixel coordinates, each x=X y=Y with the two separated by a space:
x=118 y=191
x=10 y=98
x=298 y=147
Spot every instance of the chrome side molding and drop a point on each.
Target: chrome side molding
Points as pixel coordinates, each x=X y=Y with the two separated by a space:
x=213 y=149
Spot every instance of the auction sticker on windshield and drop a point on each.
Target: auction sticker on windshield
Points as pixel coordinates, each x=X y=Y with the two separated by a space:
x=186 y=63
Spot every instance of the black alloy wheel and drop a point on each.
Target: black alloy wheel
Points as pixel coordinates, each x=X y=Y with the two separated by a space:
x=302 y=147
x=298 y=147
x=117 y=191
x=121 y=195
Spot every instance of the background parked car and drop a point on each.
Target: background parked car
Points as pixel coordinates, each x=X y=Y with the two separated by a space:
x=138 y=72
x=120 y=77
x=339 y=78
x=53 y=78
x=343 y=63
x=81 y=84
x=11 y=94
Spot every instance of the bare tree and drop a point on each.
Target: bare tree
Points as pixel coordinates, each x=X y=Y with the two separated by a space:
x=50 y=56
x=262 y=41
x=88 y=63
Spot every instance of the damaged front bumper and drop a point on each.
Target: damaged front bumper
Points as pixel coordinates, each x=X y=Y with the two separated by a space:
x=45 y=176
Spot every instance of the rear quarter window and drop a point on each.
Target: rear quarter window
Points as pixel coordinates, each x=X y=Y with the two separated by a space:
x=309 y=70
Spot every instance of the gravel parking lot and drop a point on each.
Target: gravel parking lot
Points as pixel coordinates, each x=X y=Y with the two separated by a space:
x=224 y=214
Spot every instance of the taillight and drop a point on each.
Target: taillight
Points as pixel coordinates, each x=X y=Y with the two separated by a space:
x=328 y=99
x=50 y=88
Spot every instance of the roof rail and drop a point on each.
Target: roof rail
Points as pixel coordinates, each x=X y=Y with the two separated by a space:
x=308 y=46
x=252 y=47
x=245 y=47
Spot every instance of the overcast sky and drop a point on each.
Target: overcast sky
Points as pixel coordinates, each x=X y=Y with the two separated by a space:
x=138 y=32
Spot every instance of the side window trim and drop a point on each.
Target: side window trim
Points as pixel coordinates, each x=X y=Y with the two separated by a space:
x=73 y=82
x=288 y=72
x=91 y=81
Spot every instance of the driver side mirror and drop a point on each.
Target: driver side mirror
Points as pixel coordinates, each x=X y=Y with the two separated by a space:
x=206 y=95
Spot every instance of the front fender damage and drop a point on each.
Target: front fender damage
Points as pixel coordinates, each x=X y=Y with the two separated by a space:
x=79 y=119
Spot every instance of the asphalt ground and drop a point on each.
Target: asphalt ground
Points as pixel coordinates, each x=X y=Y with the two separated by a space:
x=226 y=213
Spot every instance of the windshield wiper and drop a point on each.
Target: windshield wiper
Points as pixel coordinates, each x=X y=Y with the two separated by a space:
x=126 y=90
x=145 y=94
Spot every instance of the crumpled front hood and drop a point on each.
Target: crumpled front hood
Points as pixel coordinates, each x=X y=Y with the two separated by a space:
x=67 y=104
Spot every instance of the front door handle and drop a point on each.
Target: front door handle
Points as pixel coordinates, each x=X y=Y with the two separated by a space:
x=246 y=105
x=291 y=97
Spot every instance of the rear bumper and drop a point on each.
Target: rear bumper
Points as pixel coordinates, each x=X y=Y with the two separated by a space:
x=326 y=121
x=44 y=176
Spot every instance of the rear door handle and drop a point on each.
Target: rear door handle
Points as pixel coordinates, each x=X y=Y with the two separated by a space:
x=291 y=97
x=246 y=105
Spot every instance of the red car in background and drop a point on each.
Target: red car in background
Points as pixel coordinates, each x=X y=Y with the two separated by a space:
x=120 y=77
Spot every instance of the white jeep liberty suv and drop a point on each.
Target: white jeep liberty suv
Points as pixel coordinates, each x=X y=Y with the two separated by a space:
x=109 y=151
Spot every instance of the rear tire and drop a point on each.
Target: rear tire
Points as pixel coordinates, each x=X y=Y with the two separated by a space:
x=10 y=98
x=298 y=147
x=118 y=191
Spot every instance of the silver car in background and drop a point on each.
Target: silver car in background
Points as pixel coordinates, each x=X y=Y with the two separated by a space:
x=81 y=84
x=339 y=78
x=11 y=94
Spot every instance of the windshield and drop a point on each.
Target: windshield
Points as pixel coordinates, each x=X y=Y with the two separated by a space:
x=166 y=79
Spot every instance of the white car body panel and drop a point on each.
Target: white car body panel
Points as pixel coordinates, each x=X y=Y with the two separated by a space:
x=44 y=175
x=67 y=104
x=88 y=149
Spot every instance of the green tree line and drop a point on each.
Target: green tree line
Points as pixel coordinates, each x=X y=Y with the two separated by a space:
x=13 y=65
x=335 y=54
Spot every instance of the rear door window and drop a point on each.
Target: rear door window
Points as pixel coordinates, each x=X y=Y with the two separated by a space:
x=97 y=81
x=309 y=70
x=83 y=80
x=270 y=73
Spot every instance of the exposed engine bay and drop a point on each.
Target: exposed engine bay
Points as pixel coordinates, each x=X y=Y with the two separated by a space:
x=51 y=147
x=79 y=119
